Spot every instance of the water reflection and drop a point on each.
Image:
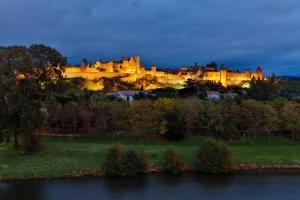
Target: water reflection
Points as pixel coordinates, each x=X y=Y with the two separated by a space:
x=162 y=186
x=215 y=180
x=22 y=191
x=121 y=186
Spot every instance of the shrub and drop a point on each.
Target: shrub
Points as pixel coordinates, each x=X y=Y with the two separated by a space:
x=129 y=165
x=134 y=163
x=122 y=163
x=172 y=161
x=142 y=161
x=114 y=160
x=215 y=157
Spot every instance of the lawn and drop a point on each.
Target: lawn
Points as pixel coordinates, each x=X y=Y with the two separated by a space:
x=64 y=156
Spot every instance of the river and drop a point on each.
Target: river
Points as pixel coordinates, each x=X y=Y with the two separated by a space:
x=155 y=187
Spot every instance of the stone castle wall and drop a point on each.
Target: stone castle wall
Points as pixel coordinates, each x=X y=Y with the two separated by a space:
x=131 y=70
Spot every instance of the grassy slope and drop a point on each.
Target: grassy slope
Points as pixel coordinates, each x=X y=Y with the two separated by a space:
x=61 y=156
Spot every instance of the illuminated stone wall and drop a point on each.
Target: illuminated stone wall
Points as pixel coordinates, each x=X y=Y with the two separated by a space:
x=131 y=70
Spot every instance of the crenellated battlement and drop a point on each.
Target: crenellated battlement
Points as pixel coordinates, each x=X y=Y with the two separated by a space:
x=131 y=70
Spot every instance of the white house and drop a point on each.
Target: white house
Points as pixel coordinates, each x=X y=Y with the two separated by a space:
x=213 y=96
x=128 y=95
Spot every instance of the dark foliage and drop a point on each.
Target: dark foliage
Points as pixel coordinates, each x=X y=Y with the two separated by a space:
x=175 y=126
x=121 y=163
x=173 y=161
x=114 y=160
x=263 y=90
x=215 y=157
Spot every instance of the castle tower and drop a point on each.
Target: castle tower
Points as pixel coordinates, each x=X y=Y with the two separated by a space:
x=153 y=69
x=137 y=60
x=98 y=63
x=223 y=77
x=110 y=66
x=137 y=63
x=131 y=60
x=248 y=74
x=258 y=73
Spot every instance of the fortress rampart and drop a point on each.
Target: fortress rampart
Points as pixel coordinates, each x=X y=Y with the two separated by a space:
x=131 y=70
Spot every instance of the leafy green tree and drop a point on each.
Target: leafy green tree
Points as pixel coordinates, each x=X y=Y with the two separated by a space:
x=119 y=116
x=291 y=118
x=47 y=66
x=212 y=118
x=259 y=118
x=24 y=82
x=144 y=118
x=229 y=119
x=215 y=157
x=192 y=111
x=171 y=123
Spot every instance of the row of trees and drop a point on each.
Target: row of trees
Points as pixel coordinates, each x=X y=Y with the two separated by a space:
x=175 y=119
x=261 y=90
x=30 y=78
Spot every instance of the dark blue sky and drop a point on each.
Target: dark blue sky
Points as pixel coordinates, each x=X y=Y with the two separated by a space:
x=239 y=33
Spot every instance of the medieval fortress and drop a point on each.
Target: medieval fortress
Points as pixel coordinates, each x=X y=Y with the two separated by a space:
x=131 y=70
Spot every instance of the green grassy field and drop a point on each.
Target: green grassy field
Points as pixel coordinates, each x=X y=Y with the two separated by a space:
x=64 y=156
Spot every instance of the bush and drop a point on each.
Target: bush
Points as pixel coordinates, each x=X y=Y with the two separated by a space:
x=215 y=157
x=129 y=164
x=172 y=161
x=1 y=138
x=142 y=161
x=114 y=159
x=122 y=163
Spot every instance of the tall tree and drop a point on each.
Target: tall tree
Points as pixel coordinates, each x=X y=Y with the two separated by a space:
x=259 y=118
x=291 y=118
x=25 y=76
x=229 y=119
x=47 y=65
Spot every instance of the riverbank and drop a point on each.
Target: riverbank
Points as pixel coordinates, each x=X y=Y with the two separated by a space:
x=241 y=168
x=78 y=157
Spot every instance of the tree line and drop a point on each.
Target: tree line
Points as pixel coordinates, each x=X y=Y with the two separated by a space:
x=175 y=119
x=36 y=98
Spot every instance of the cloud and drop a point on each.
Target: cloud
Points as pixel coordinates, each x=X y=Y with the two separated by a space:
x=167 y=33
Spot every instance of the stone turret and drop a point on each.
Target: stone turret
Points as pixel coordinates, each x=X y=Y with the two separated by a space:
x=132 y=70
x=259 y=75
x=110 y=66
x=137 y=59
x=131 y=60
x=153 y=69
x=223 y=77
x=248 y=73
